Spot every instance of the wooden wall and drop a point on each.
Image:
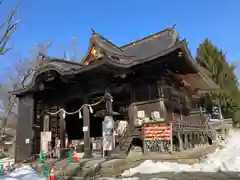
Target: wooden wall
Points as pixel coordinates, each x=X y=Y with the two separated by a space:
x=24 y=128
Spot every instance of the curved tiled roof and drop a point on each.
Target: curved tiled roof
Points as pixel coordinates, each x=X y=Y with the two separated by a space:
x=153 y=44
x=107 y=47
x=132 y=54
x=141 y=48
x=60 y=66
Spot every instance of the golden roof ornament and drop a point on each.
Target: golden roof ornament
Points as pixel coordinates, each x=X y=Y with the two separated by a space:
x=94 y=52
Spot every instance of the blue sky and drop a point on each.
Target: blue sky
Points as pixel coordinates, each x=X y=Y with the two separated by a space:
x=121 y=22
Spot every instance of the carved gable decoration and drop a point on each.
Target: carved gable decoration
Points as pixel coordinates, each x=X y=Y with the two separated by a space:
x=93 y=54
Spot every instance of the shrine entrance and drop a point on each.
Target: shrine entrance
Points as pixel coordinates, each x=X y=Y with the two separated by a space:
x=74 y=122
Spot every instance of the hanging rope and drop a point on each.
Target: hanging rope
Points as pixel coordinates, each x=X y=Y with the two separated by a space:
x=77 y=111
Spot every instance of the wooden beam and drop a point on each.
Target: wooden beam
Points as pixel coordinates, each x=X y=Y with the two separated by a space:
x=86 y=126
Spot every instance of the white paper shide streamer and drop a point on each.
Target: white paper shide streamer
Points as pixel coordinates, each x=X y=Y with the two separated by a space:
x=79 y=114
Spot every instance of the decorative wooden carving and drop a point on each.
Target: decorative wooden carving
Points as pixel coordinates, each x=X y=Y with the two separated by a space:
x=94 y=52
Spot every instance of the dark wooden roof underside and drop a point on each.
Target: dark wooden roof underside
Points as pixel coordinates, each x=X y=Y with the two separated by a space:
x=144 y=50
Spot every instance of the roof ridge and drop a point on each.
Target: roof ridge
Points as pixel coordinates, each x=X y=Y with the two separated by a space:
x=147 y=37
x=105 y=39
x=53 y=59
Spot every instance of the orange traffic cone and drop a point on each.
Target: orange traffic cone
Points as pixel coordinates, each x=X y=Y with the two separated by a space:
x=33 y=160
x=51 y=177
x=6 y=168
x=75 y=157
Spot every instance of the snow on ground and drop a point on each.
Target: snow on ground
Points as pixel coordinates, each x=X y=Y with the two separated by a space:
x=226 y=159
x=7 y=161
x=23 y=173
x=130 y=178
x=109 y=178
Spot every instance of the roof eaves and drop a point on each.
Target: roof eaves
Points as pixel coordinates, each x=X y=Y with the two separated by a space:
x=105 y=60
x=201 y=73
x=105 y=39
x=22 y=91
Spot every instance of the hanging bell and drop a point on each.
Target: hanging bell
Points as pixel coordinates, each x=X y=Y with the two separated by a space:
x=79 y=114
x=90 y=109
x=63 y=114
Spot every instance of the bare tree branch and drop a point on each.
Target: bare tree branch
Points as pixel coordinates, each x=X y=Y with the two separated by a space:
x=22 y=70
x=8 y=26
x=1 y=2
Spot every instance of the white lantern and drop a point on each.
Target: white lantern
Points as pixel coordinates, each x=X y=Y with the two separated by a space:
x=109 y=122
x=141 y=114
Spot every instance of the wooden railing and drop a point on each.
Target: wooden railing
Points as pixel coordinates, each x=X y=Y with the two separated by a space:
x=137 y=131
x=122 y=139
x=194 y=121
x=182 y=126
x=171 y=94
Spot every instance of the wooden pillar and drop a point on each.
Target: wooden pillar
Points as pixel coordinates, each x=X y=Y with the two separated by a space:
x=201 y=139
x=109 y=109
x=62 y=130
x=206 y=138
x=46 y=123
x=108 y=100
x=86 y=125
x=197 y=139
x=45 y=146
x=180 y=141
x=194 y=140
x=24 y=134
x=190 y=140
x=185 y=140
x=132 y=114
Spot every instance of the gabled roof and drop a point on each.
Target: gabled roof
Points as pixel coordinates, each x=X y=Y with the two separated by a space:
x=58 y=65
x=139 y=49
x=106 y=44
x=100 y=46
x=103 y=52
x=152 y=44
